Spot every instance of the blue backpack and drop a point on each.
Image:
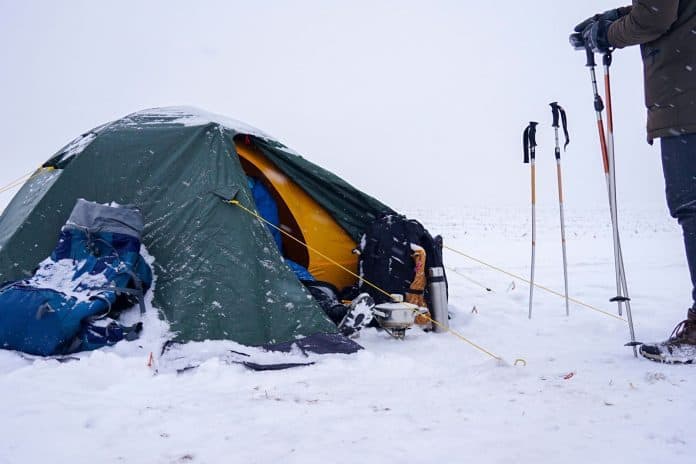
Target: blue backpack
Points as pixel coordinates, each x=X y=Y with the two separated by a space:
x=94 y=272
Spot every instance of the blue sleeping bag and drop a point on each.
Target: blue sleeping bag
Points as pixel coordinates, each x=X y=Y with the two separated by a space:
x=95 y=271
x=268 y=209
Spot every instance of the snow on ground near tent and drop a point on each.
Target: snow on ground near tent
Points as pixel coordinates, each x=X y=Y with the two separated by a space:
x=430 y=398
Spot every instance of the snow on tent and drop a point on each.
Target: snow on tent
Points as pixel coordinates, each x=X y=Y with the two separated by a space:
x=220 y=275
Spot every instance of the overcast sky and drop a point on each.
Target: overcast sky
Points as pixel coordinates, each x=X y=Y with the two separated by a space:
x=414 y=102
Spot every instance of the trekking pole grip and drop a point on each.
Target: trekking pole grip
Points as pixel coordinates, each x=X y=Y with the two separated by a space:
x=529 y=142
x=591 y=63
x=532 y=134
x=607 y=58
x=556 y=115
x=559 y=117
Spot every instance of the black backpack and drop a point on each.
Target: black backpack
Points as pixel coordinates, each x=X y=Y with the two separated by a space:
x=385 y=256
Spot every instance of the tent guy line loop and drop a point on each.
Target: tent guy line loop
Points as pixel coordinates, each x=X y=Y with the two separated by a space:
x=541 y=287
x=287 y=234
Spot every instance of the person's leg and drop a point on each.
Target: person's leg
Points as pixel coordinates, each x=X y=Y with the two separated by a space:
x=679 y=166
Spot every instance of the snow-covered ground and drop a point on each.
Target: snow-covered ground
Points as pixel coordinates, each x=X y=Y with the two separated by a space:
x=581 y=396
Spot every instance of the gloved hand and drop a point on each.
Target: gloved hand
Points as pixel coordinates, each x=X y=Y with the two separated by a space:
x=609 y=15
x=595 y=36
x=592 y=32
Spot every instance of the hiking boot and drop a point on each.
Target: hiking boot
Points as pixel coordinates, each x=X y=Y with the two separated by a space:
x=680 y=348
x=358 y=316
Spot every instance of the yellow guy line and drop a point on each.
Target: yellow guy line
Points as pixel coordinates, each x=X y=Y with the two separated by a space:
x=14 y=183
x=553 y=292
x=456 y=334
x=26 y=177
x=257 y=216
x=466 y=277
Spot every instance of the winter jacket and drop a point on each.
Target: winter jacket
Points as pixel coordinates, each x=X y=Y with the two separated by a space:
x=666 y=31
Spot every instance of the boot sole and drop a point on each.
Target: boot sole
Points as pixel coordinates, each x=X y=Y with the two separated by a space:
x=660 y=359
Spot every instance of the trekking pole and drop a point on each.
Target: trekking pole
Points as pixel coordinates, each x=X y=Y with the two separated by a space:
x=622 y=294
x=559 y=116
x=606 y=61
x=621 y=286
x=529 y=141
x=611 y=187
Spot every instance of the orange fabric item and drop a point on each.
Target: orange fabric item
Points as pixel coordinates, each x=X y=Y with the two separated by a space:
x=415 y=294
x=423 y=319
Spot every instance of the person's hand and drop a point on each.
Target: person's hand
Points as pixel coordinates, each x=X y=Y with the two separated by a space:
x=609 y=15
x=595 y=36
x=592 y=32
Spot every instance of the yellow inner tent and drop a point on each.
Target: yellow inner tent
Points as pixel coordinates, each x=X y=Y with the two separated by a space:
x=304 y=219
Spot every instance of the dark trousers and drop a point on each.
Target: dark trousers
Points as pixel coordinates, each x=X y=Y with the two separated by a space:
x=679 y=165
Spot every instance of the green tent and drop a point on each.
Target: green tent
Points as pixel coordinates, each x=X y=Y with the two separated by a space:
x=219 y=274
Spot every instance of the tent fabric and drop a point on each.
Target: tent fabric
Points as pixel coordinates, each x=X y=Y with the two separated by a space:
x=97 y=256
x=184 y=357
x=304 y=219
x=219 y=274
x=351 y=208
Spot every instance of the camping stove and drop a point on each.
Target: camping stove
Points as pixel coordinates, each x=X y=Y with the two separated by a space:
x=397 y=317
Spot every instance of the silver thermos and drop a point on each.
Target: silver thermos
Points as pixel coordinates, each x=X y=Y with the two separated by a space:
x=438 y=298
